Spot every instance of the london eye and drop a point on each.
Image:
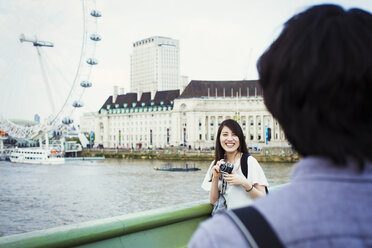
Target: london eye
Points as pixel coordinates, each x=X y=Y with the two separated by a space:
x=60 y=81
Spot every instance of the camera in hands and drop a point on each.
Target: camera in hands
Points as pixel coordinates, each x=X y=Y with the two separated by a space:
x=226 y=167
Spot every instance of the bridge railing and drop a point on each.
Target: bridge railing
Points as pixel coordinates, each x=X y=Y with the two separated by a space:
x=164 y=227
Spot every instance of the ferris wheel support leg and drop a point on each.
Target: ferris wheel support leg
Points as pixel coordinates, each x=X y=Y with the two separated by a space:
x=46 y=81
x=46 y=141
x=1 y=146
x=63 y=145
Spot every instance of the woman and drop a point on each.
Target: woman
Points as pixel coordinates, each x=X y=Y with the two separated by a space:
x=236 y=188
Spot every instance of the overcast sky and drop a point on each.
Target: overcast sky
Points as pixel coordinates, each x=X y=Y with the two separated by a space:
x=219 y=40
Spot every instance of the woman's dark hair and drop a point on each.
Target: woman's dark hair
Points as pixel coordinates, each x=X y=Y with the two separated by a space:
x=237 y=130
x=317 y=82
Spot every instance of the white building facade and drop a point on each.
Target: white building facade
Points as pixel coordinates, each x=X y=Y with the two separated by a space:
x=197 y=120
x=190 y=119
x=155 y=65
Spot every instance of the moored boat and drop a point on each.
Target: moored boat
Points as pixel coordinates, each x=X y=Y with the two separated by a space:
x=169 y=167
x=176 y=169
x=36 y=156
x=5 y=154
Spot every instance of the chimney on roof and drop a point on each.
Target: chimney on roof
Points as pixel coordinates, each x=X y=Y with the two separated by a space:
x=208 y=92
x=216 y=92
x=255 y=92
x=184 y=81
x=122 y=92
x=139 y=94
x=115 y=95
x=152 y=95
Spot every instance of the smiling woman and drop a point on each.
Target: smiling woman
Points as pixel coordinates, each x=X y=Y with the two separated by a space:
x=232 y=182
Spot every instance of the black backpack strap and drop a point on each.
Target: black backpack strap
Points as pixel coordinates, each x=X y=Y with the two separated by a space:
x=254 y=227
x=244 y=164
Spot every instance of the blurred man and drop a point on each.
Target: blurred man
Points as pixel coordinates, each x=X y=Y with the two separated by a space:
x=317 y=82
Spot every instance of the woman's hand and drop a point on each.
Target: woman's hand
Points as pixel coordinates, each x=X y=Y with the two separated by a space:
x=216 y=169
x=215 y=193
x=235 y=179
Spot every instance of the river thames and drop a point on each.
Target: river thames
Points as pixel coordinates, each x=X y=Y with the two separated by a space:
x=35 y=197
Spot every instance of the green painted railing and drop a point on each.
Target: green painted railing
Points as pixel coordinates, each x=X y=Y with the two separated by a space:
x=164 y=227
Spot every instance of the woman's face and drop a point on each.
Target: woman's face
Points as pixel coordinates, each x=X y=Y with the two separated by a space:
x=228 y=140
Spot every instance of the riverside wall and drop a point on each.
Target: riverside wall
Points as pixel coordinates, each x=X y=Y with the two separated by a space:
x=269 y=154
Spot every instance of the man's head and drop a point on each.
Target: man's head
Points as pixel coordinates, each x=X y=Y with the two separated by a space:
x=317 y=82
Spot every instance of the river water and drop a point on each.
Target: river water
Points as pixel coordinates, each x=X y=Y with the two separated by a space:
x=35 y=197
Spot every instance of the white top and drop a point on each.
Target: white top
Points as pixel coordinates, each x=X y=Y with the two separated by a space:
x=235 y=195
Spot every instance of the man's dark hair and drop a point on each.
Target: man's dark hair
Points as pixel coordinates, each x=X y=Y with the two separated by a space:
x=317 y=82
x=237 y=130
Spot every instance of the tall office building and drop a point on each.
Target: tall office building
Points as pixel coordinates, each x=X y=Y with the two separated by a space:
x=155 y=64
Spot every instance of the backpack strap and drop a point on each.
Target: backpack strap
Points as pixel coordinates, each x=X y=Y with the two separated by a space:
x=244 y=164
x=244 y=167
x=254 y=227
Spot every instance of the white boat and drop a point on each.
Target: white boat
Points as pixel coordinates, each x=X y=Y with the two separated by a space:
x=36 y=156
x=5 y=153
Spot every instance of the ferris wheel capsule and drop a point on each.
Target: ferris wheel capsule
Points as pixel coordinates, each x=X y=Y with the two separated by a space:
x=95 y=13
x=95 y=37
x=86 y=84
x=77 y=104
x=92 y=61
x=67 y=120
